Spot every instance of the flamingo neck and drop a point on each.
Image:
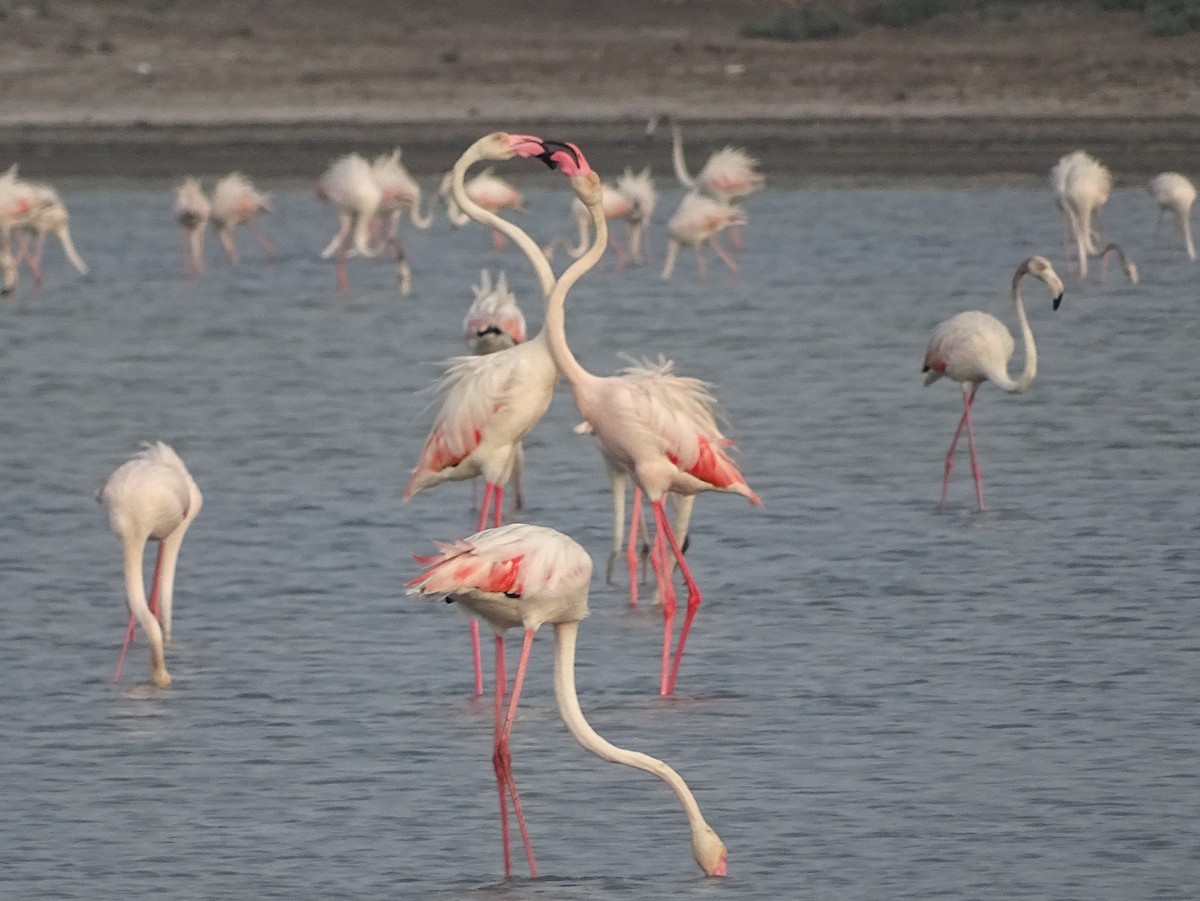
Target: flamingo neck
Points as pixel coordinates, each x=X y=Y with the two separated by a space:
x=681 y=172
x=534 y=253
x=555 y=324
x=415 y=217
x=1028 y=374
x=568 y=705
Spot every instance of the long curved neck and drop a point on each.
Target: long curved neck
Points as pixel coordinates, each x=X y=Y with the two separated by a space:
x=1030 y=349
x=534 y=253
x=414 y=214
x=555 y=326
x=568 y=705
x=677 y=160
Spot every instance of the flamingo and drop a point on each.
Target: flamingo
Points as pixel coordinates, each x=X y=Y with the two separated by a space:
x=350 y=186
x=150 y=496
x=487 y=191
x=696 y=223
x=400 y=192
x=1128 y=266
x=192 y=212
x=494 y=321
x=1081 y=187
x=1174 y=193
x=664 y=432
x=974 y=347
x=617 y=205
x=50 y=217
x=235 y=202
x=523 y=576
x=638 y=188
x=20 y=202
x=729 y=174
x=618 y=478
x=489 y=403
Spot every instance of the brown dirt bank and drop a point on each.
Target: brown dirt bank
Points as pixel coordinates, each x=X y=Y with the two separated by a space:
x=156 y=88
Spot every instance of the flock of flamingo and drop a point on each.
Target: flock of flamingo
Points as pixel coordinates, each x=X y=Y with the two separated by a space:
x=655 y=428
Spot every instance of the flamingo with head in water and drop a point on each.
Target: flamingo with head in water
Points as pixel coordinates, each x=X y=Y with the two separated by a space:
x=236 y=202
x=521 y=577
x=1174 y=193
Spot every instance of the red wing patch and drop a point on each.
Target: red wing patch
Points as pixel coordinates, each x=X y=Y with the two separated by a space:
x=712 y=466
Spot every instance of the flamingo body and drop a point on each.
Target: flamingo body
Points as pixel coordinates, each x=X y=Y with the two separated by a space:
x=1174 y=193
x=1081 y=187
x=192 y=211
x=696 y=223
x=235 y=203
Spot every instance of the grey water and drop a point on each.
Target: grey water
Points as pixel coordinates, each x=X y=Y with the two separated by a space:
x=878 y=700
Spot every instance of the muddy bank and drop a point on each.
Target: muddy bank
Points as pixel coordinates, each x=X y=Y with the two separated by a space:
x=862 y=147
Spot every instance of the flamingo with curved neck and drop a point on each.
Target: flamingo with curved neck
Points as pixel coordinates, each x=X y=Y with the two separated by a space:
x=975 y=347
x=667 y=439
x=523 y=576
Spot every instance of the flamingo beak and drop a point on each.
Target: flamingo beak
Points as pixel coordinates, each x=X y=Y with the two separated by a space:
x=1058 y=301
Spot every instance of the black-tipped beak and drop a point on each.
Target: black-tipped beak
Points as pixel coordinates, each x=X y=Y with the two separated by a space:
x=553 y=147
x=1058 y=301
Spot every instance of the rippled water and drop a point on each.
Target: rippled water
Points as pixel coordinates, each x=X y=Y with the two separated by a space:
x=878 y=701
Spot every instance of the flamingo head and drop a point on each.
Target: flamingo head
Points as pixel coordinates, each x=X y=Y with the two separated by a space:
x=1041 y=269
x=569 y=160
x=710 y=851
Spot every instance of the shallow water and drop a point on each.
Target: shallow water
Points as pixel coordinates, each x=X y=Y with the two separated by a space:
x=878 y=701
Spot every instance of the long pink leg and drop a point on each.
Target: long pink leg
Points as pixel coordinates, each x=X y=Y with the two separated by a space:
x=666 y=596
x=631 y=554
x=477 y=658
x=267 y=247
x=502 y=757
x=342 y=281
x=953 y=444
x=724 y=255
x=501 y=785
x=700 y=262
x=975 y=471
x=663 y=524
x=133 y=622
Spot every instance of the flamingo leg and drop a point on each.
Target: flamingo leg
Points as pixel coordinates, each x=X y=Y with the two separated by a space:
x=264 y=242
x=735 y=237
x=343 y=282
x=700 y=262
x=477 y=658
x=497 y=763
x=724 y=255
x=502 y=756
x=631 y=550
x=666 y=596
x=953 y=444
x=975 y=471
x=497 y=241
x=663 y=524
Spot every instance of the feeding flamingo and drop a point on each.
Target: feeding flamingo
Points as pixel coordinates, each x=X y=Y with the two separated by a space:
x=235 y=202
x=192 y=212
x=523 y=576
x=349 y=185
x=400 y=192
x=487 y=191
x=664 y=433
x=974 y=347
x=1174 y=193
x=49 y=216
x=1128 y=266
x=489 y=403
x=151 y=496
x=638 y=188
x=696 y=223
x=20 y=202
x=1081 y=187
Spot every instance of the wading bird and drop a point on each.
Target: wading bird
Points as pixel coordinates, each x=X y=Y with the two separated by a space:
x=350 y=187
x=151 y=496
x=1081 y=187
x=696 y=223
x=974 y=347
x=192 y=212
x=236 y=202
x=1174 y=193
x=522 y=576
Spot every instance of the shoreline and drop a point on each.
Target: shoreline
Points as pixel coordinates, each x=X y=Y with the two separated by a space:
x=865 y=143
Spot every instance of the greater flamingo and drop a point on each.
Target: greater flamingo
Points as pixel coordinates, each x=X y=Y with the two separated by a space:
x=235 y=202
x=20 y=201
x=49 y=216
x=522 y=576
x=697 y=222
x=349 y=185
x=487 y=191
x=975 y=347
x=729 y=173
x=400 y=192
x=489 y=403
x=616 y=206
x=663 y=432
x=638 y=188
x=192 y=212
x=1174 y=193
x=1128 y=266
x=495 y=321
x=1081 y=187
x=151 y=496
